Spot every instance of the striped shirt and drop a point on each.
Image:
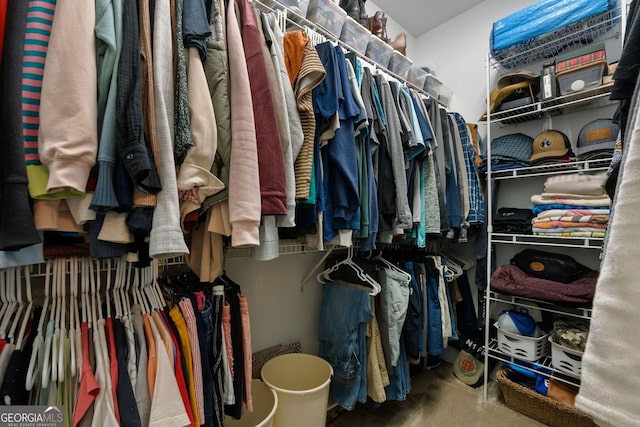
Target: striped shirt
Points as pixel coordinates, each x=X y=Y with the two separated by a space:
x=39 y=21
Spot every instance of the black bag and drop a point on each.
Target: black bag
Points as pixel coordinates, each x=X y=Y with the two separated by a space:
x=550 y=266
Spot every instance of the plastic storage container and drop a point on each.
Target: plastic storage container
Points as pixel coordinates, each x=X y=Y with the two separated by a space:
x=379 y=51
x=355 y=35
x=327 y=14
x=265 y=403
x=432 y=85
x=582 y=78
x=566 y=360
x=416 y=76
x=302 y=384
x=400 y=64
x=522 y=347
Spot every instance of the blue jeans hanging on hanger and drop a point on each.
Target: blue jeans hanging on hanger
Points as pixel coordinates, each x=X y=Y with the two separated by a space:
x=399 y=380
x=344 y=313
x=435 y=345
x=412 y=330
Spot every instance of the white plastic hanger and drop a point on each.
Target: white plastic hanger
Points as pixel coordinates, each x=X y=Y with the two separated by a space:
x=63 y=323
x=38 y=343
x=325 y=275
x=48 y=343
x=19 y=305
x=393 y=267
x=56 y=330
x=9 y=293
x=73 y=290
x=3 y=293
x=27 y=315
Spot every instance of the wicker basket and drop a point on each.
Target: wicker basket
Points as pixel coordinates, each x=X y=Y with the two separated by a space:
x=539 y=407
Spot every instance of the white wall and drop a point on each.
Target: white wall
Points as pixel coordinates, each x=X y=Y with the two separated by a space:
x=457 y=51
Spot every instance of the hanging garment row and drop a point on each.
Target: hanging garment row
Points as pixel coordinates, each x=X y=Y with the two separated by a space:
x=380 y=316
x=186 y=125
x=106 y=346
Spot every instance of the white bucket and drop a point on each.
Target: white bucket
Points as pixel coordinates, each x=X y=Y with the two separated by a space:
x=302 y=384
x=265 y=403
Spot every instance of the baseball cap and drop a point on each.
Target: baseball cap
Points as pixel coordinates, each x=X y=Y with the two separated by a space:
x=597 y=139
x=550 y=144
x=523 y=81
x=518 y=323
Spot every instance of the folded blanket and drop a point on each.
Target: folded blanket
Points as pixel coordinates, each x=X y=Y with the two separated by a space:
x=550 y=233
x=572 y=212
x=552 y=206
x=552 y=196
x=579 y=219
x=537 y=199
x=576 y=184
x=548 y=224
x=536 y=230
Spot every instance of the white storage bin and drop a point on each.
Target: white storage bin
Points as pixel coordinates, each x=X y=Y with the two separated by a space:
x=399 y=64
x=355 y=35
x=327 y=14
x=522 y=347
x=565 y=359
x=417 y=76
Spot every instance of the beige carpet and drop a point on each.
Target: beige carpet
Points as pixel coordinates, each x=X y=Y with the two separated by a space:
x=437 y=399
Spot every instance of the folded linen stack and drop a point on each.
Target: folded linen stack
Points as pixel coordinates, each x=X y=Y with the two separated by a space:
x=573 y=205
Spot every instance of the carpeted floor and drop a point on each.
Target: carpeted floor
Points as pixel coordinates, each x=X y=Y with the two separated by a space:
x=437 y=399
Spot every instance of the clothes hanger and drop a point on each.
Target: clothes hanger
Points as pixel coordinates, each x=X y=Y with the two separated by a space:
x=393 y=267
x=27 y=315
x=73 y=285
x=48 y=343
x=3 y=294
x=38 y=344
x=360 y=274
x=155 y=283
x=10 y=301
x=56 y=330
x=76 y=315
x=126 y=306
x=63 y=324
x=19 y=305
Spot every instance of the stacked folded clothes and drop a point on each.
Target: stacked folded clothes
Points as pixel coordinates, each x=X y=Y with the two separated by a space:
x=511 y=151
x=572 y=206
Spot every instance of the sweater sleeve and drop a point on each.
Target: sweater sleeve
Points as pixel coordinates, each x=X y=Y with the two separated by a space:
x=68 y=135
x=244 y=182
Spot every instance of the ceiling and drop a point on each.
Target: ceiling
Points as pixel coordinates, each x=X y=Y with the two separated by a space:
x=431 y=12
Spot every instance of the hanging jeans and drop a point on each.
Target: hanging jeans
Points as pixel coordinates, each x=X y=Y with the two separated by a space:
x=399 y=381
x=435 y=345
x=214 y=321
x=394 y=301
x=413 y=323
x=344 y=313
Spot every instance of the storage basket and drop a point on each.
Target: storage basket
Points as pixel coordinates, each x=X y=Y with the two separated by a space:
x=565 y=359
x=541 y=408
x=522 y=347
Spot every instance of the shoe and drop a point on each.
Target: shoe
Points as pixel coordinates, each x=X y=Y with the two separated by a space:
x=378 y=25
x=352 y=7
x=433 y=362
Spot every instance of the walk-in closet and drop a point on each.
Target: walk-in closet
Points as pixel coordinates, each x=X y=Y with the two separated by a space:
x=256 y=213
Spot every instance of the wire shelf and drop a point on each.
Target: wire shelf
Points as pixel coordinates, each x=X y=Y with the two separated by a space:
x=542 y=366
x=535 y=304
x=553 y=169
x=599 y=96
x=551 y=44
